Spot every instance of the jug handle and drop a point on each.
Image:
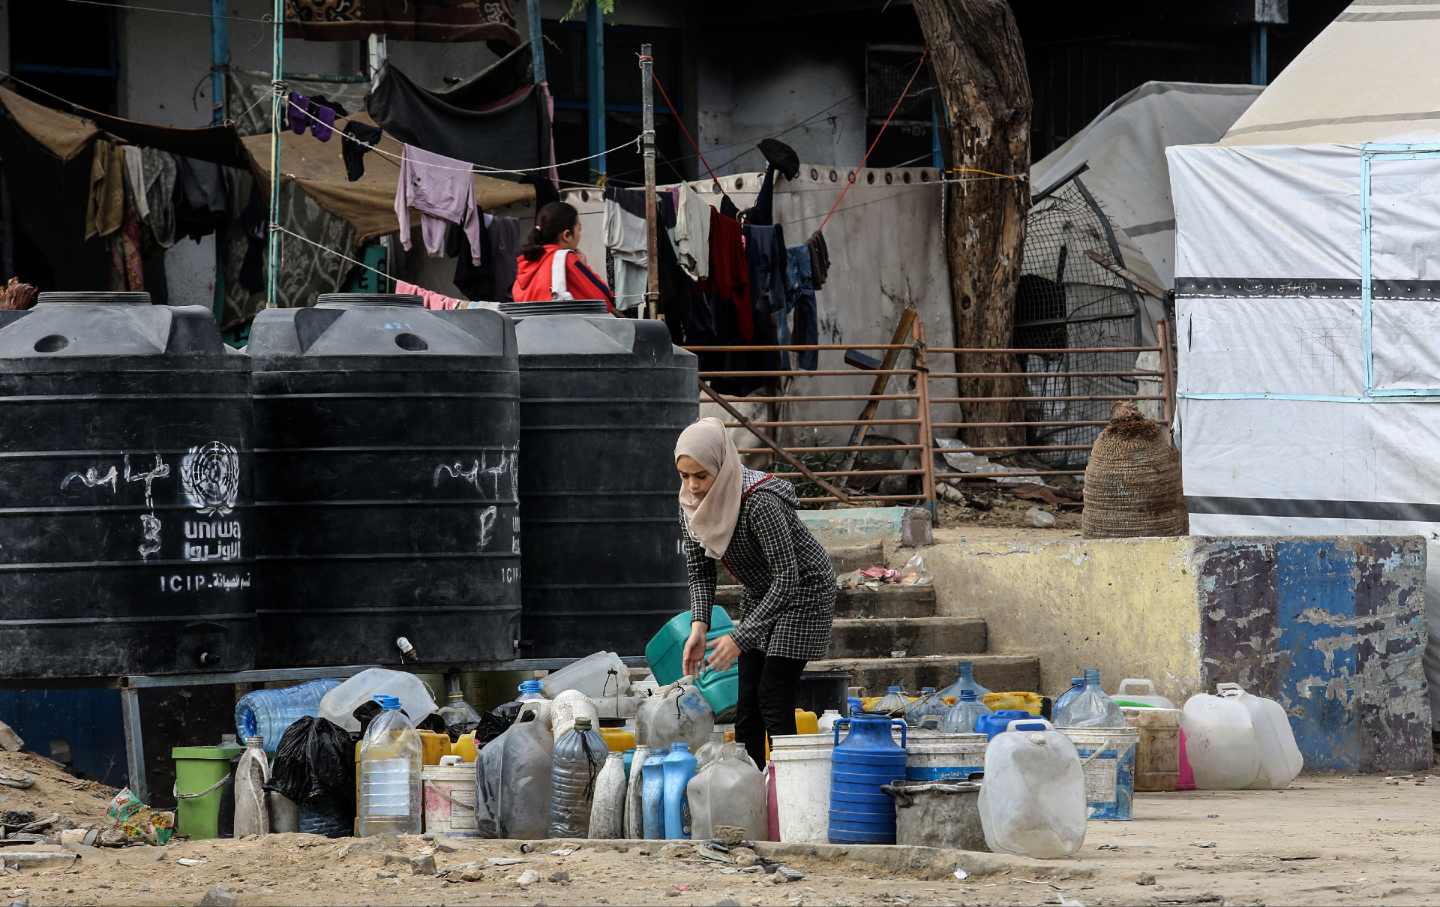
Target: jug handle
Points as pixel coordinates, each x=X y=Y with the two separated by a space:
x=836 y=729
x=904 y=729
x=1029 y=724
x=1224 y=689
x=1141 y=685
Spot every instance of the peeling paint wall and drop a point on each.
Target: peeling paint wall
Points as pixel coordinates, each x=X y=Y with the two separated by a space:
x=1334 y=630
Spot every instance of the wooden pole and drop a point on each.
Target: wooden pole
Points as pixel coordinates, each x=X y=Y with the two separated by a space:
x=647 y=139
x=785 y=455
x=277 y=121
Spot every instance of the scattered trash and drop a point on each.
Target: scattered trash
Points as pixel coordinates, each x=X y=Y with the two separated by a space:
x=188 y=861
x=1108 y=847
x=961 y=874
x=1205 y=844
x=527 y=878
x=1040 y=519
x=872 y=578
x=505 y=861
x=132 y=822
x=22 y=781
x=560 y=878
x=1146 y=878
x=563 y=851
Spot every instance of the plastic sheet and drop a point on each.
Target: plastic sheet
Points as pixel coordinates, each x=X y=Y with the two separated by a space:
x=315 y=768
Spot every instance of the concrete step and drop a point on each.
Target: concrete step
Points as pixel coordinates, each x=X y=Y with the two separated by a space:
x=1001 y=673
x=909 y=636
x=885 y=602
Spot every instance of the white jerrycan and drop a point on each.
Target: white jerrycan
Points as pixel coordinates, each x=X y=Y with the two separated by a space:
x=1220 y=741
x=1032 y=802
x=1280 y=759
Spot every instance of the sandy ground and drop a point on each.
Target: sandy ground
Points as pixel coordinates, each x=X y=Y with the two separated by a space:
x=1324 y=841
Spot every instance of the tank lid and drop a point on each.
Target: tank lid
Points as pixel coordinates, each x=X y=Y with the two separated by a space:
x=575 y=307
x=92 y=298
x=387 y=703
x=333 y=300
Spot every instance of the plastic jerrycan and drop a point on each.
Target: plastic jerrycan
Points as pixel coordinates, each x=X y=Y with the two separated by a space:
x=652 y=795
x=1220 y=742
x=1032 y=802
x=865 y=761
x=1141 y=691
x=1280 y=759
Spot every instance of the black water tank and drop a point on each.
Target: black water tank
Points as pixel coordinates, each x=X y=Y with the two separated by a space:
x=125 y=519
x=385 y=479
x=602 y=401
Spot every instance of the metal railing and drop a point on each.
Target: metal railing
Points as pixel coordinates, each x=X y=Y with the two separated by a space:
x=923 y=409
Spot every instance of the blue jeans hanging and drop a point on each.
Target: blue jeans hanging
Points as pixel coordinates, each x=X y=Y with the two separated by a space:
x=801 y=292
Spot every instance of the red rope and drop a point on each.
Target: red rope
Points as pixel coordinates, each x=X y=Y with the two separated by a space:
x=681 y=123
x=883 y=126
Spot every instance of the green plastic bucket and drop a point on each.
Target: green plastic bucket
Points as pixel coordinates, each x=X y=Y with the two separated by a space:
x=200 y=776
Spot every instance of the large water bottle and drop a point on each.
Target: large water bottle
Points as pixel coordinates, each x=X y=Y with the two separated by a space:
x=391 y=759
x=966 y=681
x=962 y=717
x=1091 y=707
x=679 y=769
x=267 y=713
x=1076 y=685
x=579 y=757
x=893 y=703
x=929 y=705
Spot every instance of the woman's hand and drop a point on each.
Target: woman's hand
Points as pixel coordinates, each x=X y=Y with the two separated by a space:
x=724 y=654
x=694 y=650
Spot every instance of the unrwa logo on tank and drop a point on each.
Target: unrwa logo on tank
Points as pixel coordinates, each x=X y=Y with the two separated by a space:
x=210 y=477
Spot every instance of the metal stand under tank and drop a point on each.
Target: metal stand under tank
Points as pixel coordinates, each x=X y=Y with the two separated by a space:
x=602 y=402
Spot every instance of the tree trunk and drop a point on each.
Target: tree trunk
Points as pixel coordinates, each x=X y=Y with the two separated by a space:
x=979 y=66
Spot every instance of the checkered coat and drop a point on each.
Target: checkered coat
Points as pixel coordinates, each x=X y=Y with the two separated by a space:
x=789 y=581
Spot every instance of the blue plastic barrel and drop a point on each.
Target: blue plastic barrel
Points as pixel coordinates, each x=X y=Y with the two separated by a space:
x=997 y=722
x=860 y=812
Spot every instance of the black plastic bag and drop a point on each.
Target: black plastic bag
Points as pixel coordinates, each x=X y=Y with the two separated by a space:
x=496 y=722
x=315 y=767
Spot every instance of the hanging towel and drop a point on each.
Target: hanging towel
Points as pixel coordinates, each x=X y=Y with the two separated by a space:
x=442 y=189
x=105 y=211
x=160 y=173
x=432 y=299
x=135 y=180
x=692 y=232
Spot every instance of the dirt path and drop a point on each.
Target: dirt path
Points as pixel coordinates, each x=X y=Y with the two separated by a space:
x=1324 y=841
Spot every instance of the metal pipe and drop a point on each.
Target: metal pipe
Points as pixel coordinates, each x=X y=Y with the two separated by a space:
x=1041 y=351
x=1137 y=373
x=841 y=449
x=820 y=398
x=857 y=499
x=1009 y=472
x=1077 y=424
x=821 y=423
x=537 y=40
x=799 y=348
x=277 y=110
x=647 y=147
x=1167 y=372
x=595 y=64
x=219 y=65
x=793 y=373
x=1115 y=397
x=831 y=473
x=925 y=431
x=765 y=439
x=945 y=450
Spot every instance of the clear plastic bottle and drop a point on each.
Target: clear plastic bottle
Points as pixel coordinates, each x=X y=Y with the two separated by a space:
x=1076 y=685
x=961 y=717
x=579 y=757
x=966 y=681
x=531 y=690
x=391 y=759
x=915 y=711
x=459 y=716
x=252 y=811
x=267 y=713
x=1091 y=707
x=893 y=703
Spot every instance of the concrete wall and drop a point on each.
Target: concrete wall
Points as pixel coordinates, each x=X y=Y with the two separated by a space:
x=1332 y=627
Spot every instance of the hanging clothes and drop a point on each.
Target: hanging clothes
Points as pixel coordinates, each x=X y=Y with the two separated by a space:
x=433 y=300
x=559 y=274
x=160 y=175
x=819 y=259
x=475 y=281
x=505 y=243
x=135 y=181
x=765 y=253
x=692 y=232
x=729 y=279
x=361 y=138
x=803 y=307
x=626 y=240
x=106 y=210
x=442 y=189
x=200 y=200
x=295 y=109
x=545 y=191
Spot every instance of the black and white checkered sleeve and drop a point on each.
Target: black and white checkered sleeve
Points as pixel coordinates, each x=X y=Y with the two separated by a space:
x=702 y=575
x=768 y=521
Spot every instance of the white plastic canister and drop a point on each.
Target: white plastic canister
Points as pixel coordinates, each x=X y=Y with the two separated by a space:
x=944 y=757
x=1220 y=742
x=802 y=786
x=450 y=798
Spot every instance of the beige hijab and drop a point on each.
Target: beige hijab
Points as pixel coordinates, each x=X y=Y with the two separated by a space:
x=712 y=518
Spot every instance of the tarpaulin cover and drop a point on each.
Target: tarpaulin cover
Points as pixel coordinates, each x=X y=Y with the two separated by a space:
x=404 y=20
x=368 y=204
x=62 y=134
x=493 y=120
x=1124 y=147
x=1298 y=414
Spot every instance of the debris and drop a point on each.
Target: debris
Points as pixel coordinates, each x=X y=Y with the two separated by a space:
x=41 y=824
x=1204 y=844
x=727 y=902
x=219 y=896
x=187 y=861
x=527 y=878
x=444 y=845
x=1146 y=878
x=9 y=740
x=22 y=781
x=711 y=854
x=1040 y=519
x=560 y=877
x=675 y=850
x=505 y=861
x=745 y=857
x=423 y=865
x=86 y=836
x=386 y=874
x=729 y=835
x=1108 y=847
x=17 y=839
x=471 y=872
x=26 y=857
x=14 y=818
x=784 y=874
x=563 y=851
x=961 y=874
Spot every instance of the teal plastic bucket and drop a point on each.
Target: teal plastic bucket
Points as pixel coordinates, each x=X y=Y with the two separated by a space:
x=666 y=654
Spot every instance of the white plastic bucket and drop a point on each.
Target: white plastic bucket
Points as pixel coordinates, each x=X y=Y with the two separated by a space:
x=450 y=799
x=944 y=757
x=1107 y=756
x=802 y=786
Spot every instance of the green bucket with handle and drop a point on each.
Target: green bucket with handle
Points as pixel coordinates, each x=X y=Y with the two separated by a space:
x=201 y=773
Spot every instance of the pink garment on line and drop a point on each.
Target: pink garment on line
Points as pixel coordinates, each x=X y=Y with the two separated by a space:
x=442 y=189
x=432 y=299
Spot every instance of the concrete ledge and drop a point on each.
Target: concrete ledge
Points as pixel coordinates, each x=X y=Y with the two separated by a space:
x=1331 y=627
x=854 y=526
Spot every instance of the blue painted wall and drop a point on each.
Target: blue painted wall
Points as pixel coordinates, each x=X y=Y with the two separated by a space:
x=88 y=721
x=1333 y=629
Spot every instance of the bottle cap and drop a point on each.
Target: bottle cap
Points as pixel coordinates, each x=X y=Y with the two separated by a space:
x=386 y=702
x=679 y=747
x=582 y=723
x=254 y=741
x=531 y=686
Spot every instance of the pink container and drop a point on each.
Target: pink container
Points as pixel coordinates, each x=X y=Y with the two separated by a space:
x=772 y=810
x=1186 y=781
